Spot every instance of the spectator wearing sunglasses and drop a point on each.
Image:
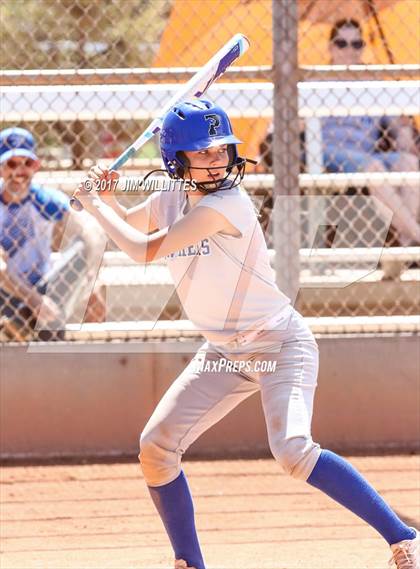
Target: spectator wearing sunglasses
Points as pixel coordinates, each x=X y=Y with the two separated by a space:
x=32 y=224
x=356 y=144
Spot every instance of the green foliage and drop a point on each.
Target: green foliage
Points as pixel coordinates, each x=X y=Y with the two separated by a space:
x=46 y=34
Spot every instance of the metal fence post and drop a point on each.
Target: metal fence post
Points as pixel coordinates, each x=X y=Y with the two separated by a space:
x=286 y=224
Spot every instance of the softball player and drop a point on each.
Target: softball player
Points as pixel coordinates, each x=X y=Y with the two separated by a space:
x=217 y=256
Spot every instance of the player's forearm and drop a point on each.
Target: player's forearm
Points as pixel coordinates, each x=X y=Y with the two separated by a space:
x=127 y=214
x=130 y=240
x=119 y=209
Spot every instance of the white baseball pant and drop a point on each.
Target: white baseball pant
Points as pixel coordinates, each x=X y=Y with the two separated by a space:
x=207 y=390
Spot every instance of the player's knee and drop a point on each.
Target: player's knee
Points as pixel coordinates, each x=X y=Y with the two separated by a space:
x=297 y=456
x=159 y=464
x=150 y=453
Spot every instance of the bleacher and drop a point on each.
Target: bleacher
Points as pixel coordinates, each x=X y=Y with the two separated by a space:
x=148 y=290
x=376 y=273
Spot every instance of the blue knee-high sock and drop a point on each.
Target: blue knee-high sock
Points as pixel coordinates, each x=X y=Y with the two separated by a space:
x=174 y=503
x=341 y=481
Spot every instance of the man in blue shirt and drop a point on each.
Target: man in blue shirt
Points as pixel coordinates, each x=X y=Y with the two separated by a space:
x=32 y=223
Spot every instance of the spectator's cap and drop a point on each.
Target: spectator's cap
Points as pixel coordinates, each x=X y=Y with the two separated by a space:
x=16 y=141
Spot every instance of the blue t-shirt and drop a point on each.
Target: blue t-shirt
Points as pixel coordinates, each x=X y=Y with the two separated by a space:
x=352 y=133
x=26 y=231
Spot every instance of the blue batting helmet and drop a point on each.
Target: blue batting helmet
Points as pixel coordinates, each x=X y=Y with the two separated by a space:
x=195 y=125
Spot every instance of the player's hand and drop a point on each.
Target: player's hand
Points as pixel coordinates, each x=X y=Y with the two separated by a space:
x=86 y=194
x=99 y=183
x=105 y=182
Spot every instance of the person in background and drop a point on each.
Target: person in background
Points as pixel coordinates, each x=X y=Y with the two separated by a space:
x=366 y=144
x=32 y=225
x=372 y=144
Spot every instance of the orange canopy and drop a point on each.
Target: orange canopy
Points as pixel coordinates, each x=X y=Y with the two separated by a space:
x=330 y=10
x=196 y=30
x=397 y=19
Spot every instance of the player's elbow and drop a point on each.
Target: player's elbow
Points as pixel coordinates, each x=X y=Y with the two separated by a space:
x=142 y=253
x=150 y=255
x=156 y=247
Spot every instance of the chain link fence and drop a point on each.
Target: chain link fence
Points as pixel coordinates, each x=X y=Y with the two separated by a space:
x=326 y=98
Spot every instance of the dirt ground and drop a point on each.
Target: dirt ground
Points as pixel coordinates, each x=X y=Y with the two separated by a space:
x=250 y=516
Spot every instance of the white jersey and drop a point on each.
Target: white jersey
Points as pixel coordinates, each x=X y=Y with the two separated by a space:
x=225 y=283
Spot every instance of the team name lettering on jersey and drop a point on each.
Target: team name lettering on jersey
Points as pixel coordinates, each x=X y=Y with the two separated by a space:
x=202 y=248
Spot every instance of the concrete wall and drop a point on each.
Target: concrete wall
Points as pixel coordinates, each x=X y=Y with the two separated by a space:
x=96 y=402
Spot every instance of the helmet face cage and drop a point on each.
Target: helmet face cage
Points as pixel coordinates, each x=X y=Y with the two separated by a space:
x=235 y=170
x=194 y=126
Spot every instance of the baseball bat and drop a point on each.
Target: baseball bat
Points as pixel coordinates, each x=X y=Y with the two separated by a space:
x=196 y=87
